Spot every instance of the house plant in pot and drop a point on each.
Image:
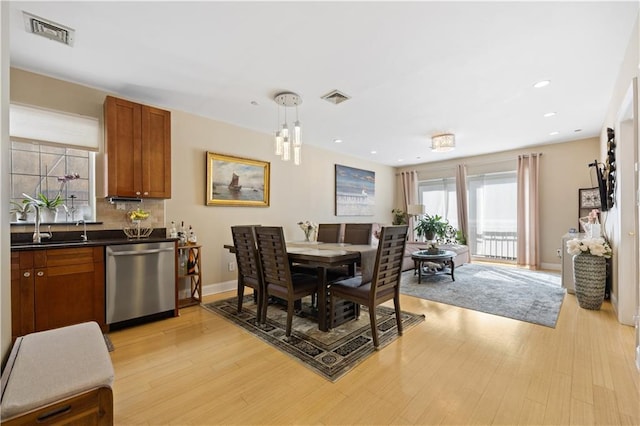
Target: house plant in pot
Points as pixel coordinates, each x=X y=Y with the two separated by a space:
x=589 y=270
x=21 y=209
x=431 y=227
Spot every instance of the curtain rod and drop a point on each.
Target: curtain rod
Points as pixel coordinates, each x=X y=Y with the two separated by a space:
x=425 y=166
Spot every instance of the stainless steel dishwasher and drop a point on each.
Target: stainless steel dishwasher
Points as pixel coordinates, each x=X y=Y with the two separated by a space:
x=141 y=281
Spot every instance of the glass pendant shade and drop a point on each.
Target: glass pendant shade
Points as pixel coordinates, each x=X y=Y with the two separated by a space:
x=278 y=143
x=297 y=141
x=297 y=154
x=286 y=149
x=285 y=131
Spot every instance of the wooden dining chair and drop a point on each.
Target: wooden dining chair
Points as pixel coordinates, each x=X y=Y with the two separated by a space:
x=278 y=279
x=329 y=232
x=249 y=270
x=384 y=284
x=358 y=233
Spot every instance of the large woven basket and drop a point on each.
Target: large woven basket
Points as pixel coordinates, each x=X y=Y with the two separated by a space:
x=590 y=278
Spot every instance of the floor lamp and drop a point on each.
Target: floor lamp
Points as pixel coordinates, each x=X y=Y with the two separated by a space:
x=414 y=210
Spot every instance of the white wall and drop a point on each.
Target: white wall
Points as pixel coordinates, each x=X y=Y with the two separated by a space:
x=5 y=281
x=621 y=226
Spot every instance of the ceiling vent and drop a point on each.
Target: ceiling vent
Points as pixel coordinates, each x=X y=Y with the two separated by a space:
x=51 y=30
x=335 y=97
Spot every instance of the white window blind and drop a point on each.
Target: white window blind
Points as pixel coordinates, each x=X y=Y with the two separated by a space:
x=53 y=127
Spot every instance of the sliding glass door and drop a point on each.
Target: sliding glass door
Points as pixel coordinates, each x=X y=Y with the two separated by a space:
x=493 y=215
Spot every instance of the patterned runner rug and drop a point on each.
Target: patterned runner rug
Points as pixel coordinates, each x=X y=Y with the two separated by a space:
x=331 y=354
x=511 y=292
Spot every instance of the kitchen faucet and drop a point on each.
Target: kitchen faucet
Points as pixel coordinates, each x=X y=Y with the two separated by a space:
x=37 y=235
x=84 y=233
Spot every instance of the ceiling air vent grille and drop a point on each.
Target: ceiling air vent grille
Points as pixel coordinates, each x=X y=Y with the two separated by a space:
x=51 y=30
x=335 y=97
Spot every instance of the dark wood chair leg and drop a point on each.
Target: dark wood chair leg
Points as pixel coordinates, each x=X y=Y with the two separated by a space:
x=396 y=306
x=374 y=328
x=264 y=304
x=289 y=318
x=240 y=295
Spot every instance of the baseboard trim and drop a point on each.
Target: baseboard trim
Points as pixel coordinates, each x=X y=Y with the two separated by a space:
x=216 y=288
x=551 y=266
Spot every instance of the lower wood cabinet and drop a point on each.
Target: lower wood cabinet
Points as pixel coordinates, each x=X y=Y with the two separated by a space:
x=56 y=287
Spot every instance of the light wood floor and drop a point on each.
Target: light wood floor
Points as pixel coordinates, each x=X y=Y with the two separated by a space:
x=457 y=367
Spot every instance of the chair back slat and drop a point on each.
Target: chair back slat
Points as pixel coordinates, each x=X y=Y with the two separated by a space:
x=329 y=232
x=272 y=253
x=388 y=267
x=358 y=233
x=246 y=254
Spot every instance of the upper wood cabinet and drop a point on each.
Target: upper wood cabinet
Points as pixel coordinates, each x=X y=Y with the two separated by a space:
x=138 y=150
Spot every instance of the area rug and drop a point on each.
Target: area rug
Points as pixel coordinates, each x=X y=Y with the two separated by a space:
x=331 y=354
x=511 y=292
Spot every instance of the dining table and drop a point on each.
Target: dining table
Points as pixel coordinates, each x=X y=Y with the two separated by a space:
x=324 y=256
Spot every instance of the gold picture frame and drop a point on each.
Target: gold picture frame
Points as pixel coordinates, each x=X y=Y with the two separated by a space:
x=236 y=181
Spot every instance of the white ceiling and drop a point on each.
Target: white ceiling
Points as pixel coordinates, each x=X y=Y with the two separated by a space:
x=412 y=69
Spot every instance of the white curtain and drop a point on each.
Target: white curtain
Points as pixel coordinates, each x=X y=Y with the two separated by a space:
x=528 y=211
x=461 y=197
x=410 y=196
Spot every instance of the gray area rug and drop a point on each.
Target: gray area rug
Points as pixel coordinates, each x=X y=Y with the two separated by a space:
x=331 y=354
x=530 y=296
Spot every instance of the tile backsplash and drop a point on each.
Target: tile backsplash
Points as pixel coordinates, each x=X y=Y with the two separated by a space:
x=112 y=216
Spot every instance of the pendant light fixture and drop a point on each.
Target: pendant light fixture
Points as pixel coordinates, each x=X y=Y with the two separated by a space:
x=284 y=139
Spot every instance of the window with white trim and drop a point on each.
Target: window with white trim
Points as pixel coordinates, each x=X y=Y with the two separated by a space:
x=37 y=168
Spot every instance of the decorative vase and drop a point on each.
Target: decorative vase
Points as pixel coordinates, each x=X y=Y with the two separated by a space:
x=48 y=215
x=590 y=278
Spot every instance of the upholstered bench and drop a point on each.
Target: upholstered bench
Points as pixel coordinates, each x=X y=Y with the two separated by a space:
x=59 y=376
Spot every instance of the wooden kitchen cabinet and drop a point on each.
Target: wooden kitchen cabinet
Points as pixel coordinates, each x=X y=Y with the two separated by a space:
x=137 y=150
x=56 y=287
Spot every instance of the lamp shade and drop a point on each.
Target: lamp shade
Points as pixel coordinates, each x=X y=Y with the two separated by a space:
x=415 y=209
x=443 y=143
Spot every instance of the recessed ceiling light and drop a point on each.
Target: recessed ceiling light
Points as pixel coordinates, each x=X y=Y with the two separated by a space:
x=400 y=160
x=554 y=133
x=254 y=103
x=577 y=130
x=337 y=141
x=542 y=83
x=549 y=114
x=374 y=152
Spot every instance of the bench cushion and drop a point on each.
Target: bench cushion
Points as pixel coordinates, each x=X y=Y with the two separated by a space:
x=55 y=364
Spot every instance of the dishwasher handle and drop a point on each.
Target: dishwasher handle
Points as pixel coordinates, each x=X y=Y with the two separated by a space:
x=137 y=252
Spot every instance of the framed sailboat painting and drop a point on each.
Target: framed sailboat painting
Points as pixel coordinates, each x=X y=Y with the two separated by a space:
x=235 y=181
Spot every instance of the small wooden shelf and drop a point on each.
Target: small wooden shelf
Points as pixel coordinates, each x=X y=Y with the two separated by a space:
x=193 y=279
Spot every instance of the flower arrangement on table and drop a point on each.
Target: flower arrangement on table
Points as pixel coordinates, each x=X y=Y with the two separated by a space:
x=594 y=246
x=308 y=228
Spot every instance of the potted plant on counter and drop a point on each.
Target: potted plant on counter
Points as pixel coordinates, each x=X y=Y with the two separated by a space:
x=21 y=209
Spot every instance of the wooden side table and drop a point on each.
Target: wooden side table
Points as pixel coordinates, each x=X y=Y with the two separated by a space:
x=193 y=277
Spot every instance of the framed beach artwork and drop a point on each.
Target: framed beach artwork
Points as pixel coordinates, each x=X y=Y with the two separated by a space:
x=236 y=181
x=355 y=191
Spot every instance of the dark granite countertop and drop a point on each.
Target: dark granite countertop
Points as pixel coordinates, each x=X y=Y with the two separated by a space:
x=66 y=239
